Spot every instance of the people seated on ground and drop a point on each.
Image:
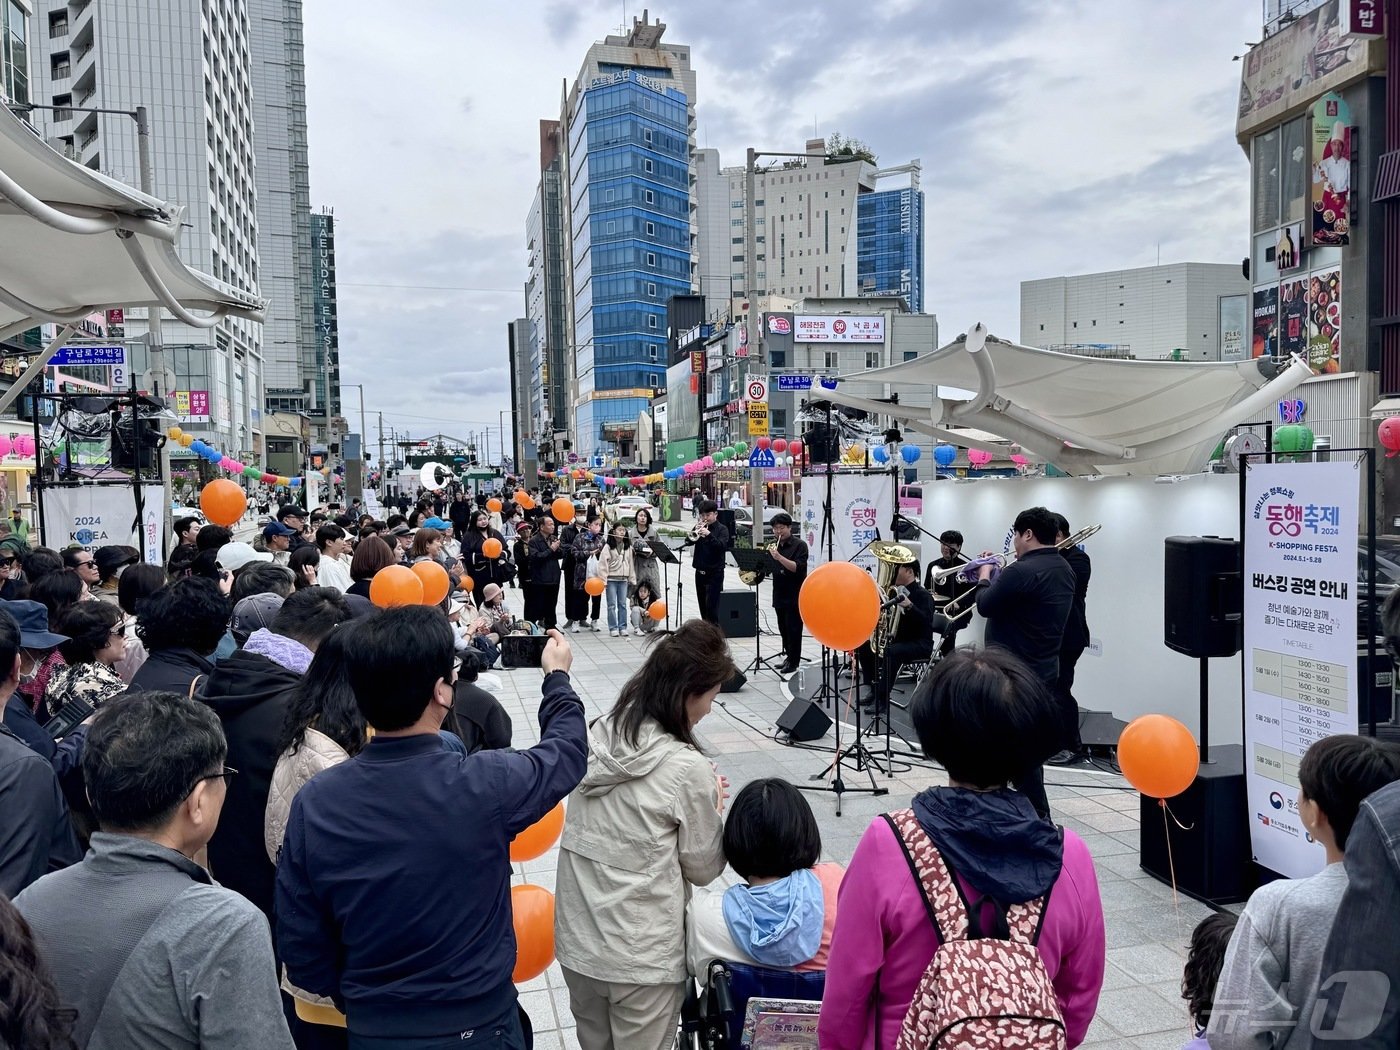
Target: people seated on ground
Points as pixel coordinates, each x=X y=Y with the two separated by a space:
x=500 y=620
x=83 y=562
x=112 y=561
x=95 y=645
x=643 y=825
x=371 y=555
x=31 y=1013
x=477 y=717
x=642 y=599
x=137 y=583
x=1273 y=970
x=393 y=885
x=305 y=564
x=986 y=718
x=251 y=692
x=141 y=942
x=180 y=626
x=38 y=834
x=781 y=916
x=1204 y=958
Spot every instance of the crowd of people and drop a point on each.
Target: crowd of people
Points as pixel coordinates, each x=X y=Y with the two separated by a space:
x=244 y=807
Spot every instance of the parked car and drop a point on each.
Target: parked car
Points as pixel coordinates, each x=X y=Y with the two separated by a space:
x=625 y=508
x=1387 y=579
x=743 y=520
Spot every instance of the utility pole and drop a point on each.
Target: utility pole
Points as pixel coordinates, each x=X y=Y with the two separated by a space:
x=757 y=492
x=383 y=467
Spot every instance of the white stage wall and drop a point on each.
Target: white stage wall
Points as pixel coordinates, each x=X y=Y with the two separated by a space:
x=1128 y=670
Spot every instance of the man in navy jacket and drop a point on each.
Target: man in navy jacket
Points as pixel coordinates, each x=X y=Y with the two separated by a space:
x=393 y=886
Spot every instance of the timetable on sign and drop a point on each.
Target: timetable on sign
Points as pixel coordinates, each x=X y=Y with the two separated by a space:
x=1314 y=703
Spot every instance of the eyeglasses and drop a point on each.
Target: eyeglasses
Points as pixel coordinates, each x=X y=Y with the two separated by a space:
x=226 y=776
x=81 y=564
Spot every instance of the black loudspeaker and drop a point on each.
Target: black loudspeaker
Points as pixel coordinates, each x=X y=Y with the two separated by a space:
x=738 y=613
x=726 y=518
x=736 y=683
x=804 y=720
x=1204 y=596
x=823 y=443
x=1211 y=855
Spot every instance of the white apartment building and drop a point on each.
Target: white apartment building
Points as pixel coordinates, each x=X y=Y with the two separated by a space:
x=1146 y=313
x=710 y=252
x=188 y=63
x=15 y=58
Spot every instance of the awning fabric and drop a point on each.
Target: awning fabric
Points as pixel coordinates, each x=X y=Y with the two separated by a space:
x=77 y=241
x=1085 y=415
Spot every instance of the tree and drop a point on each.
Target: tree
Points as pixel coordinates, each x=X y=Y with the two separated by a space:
x=841 y=148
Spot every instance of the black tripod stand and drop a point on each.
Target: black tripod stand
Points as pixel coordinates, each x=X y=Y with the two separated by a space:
x=865 y=761
x=756 y=562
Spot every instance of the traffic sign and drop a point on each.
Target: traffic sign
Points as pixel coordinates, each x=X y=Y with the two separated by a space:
x=762 y=457
x=756 y=387
x=89 y=355
x=758 y=419
x=794 y=382
x=119 y=378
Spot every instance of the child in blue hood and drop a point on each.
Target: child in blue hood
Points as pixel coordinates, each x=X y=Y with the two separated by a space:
x=783 y=912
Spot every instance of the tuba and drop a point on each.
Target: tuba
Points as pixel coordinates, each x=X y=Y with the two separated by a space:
x=889 y=557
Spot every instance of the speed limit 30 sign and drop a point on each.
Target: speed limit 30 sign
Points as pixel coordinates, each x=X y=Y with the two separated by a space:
x=756 y=387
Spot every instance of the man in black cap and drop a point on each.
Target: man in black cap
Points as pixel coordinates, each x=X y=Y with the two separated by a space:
x=293 y=517
x=788 y=572
x=400 y=537
x=111 y=561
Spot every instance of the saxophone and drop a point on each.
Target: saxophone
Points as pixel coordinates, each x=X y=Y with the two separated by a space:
x=889 y=557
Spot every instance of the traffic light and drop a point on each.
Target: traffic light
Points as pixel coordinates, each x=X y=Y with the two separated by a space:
x=317 y=461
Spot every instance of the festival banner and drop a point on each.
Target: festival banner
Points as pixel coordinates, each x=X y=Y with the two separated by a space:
x=862 y=508
x=1265 y=341
x=1325 y=321
x=1300 y=650
x=95 y=516
x=1330 y=139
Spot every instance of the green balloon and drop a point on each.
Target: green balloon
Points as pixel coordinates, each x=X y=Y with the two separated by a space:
x=1293 y=438
x=251 y=471
x=741 y=447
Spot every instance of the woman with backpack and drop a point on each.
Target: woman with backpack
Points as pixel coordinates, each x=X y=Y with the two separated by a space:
x=1006 y=905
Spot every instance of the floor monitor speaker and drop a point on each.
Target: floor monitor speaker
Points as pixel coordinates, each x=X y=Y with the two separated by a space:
x=804 y=720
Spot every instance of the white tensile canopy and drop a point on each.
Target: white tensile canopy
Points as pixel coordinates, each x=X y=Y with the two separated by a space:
x=1085 y=415
x=76 y=242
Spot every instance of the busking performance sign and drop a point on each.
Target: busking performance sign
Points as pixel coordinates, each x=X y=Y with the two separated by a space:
x=95 y=516
x=862 y=506
x=1300 y=651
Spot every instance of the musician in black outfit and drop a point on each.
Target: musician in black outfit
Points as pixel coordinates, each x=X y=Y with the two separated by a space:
x=912 y=641
x=1026 y=607
x=789 y=570
x=711 y=543
x=1072 y=646
x=948 y=588
x=546 y=552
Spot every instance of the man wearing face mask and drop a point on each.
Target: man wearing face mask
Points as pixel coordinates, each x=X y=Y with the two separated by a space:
x=36 y=643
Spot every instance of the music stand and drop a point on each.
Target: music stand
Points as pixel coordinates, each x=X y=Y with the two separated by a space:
x=865 y=760
x=760 y=563
x=667 y=557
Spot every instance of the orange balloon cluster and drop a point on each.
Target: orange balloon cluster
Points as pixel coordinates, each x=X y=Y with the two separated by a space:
x=436 y=582
x=394 y=586
x=223 y=502
x=594 y=586
x=524 y=499
x=492 y=547
x=1158 y=756
x=562 y=509
x=532 y=917
x=840 y=605
x=494 y=505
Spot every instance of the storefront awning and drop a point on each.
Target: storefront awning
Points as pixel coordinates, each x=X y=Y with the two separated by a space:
x=1084 y=415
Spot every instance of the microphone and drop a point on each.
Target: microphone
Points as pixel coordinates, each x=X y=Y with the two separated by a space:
x=894 y=599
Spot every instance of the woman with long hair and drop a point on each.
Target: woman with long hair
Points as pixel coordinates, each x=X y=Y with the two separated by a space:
x=480 y=568
x=645 y=539
x=644 y=823
x=32 y=1016
x=615 y=564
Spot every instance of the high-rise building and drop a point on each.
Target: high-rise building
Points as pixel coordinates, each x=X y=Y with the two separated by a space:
x=188 y=63
x=629 y=120
x=522 y=389
x=714 y=233
x=15 y=56
x=287 y=270
x=549 y=400
x=890 y=237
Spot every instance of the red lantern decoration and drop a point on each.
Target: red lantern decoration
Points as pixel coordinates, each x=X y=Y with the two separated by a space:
x=780 y=444
x=1389 y=434
x=765 y=442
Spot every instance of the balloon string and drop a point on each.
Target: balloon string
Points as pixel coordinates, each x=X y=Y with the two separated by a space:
x=1183 y=827
x=1171 y=863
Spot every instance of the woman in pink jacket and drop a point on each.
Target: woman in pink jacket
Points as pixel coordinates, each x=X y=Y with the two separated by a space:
x=986 y=719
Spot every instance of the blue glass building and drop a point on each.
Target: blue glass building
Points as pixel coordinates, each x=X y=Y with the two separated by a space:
x=890 y=245
x=630 y=213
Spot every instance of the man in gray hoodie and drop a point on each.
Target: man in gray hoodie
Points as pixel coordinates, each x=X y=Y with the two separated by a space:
x=141 y=942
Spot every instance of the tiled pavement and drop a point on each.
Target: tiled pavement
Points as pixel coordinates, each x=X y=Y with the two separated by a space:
x=1147 y=930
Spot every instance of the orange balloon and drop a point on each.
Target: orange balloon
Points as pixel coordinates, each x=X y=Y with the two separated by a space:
x=524 y=499
x=840 y=605
x=562 y=509
x=594 y=586
x=1158 y=756
x=185 y=440
x=532 y=916
x=657 y=610
x=492 y=547
x=535 y=840
x=494 y=505
x=223 y=502
x=466 y=583
x=395 y=585
x=436 y=582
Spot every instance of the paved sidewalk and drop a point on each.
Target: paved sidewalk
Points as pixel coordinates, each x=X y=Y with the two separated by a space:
x=1141 y=1005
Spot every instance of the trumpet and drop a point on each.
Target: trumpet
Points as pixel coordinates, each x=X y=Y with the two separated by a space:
x=968 y=573
x=698 y=532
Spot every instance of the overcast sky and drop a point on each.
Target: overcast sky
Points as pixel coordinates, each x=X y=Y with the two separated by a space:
x=1057 y=137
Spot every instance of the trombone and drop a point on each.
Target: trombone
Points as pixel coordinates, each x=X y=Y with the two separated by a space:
x=999 y=562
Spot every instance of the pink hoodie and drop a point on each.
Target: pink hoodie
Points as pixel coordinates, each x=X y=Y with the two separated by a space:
x=884 y=941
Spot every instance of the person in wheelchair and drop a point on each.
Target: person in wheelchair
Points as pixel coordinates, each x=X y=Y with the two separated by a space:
x=782 y=914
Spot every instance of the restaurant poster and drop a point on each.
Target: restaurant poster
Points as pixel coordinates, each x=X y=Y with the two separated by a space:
x=1300 y=650
x=1265 y=328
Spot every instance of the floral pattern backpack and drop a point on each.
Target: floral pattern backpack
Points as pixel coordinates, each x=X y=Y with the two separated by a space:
x=983 y=988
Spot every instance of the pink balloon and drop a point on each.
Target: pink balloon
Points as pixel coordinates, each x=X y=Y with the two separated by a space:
x=780 y=444
x=978 y=457
x=1389 y=434
x=6 y=445
x=1019 y=459
x=24 y=445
